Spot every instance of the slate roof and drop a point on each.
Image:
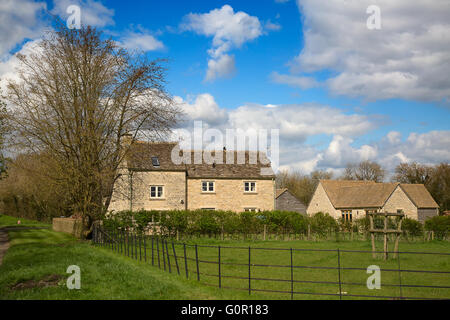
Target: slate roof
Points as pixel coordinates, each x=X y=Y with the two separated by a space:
x=368 y=194
x=244 y=164
x=279 y=192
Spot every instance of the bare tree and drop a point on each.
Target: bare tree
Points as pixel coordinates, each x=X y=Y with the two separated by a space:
x=413 y=173
x=365 y=170
x=302 y=186
x=77 y=96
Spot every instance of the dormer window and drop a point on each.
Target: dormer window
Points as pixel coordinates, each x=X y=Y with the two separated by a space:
x=155 y=161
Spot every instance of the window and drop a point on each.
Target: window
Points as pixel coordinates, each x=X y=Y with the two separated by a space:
x=209 y=209
x=208 y=186
x=156 y=192
x=250 y=209
x=155 y=161
x=249 y=186
x=347 y=215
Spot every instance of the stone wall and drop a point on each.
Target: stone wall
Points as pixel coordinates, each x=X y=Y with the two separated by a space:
x=68 y=225
x=174 y=196
x=229 y=195
x=400 y=201
x=321 y=203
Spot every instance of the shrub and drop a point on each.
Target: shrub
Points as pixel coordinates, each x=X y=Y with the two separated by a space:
x=412 y=227
x=323 y=223
x=440 y=225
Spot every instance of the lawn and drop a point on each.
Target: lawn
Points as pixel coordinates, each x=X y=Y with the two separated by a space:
x=42 y=254
x=315 y=273
x=37 y=254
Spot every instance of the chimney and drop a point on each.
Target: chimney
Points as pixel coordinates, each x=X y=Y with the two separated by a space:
x=126 y=140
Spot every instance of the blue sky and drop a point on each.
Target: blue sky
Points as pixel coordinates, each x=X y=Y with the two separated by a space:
x=342 y=93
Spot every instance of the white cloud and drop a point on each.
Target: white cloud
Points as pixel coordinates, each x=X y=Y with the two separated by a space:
x=8 y=67
x=271 y=26
x=203 y=108
x=93 y=13
x=19 y=20
x=337 y=132
x=409 y=57
x=142 y=41
x=294 y=81
x=298 y=122
x=222 y=67
x=229 y=30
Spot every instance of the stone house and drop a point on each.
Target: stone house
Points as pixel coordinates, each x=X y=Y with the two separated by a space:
x=353 y=199
x=286 y=201
x=151 y=180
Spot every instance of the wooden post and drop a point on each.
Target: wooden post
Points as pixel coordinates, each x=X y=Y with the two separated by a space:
x=309 y=232
x=397 y=236
x=372 y=235
x=385 y=239
x=265 y=231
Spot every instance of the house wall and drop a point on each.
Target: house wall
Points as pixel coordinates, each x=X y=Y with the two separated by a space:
x=229 y=195
x=288 y=202
x=399 y=200
x=174 y=196
x=120 y=199
x=321 y=203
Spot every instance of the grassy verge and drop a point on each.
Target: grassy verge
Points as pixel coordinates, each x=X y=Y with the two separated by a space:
x=8 y=221
x=36 y=254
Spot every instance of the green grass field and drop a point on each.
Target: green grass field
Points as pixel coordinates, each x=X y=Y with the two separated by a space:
x=309 y=264
x=37 y=253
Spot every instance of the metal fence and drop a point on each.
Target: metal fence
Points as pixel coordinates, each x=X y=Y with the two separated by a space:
x=323 y=272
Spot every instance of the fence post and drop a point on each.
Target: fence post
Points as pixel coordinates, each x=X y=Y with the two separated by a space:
x=196 y=260
x=175 y=257
x=249 y=272
x=164 y=255
x=153 y=260
x=339 y=273
x=128 y=244
x=220 y=280
x=168 y=257
x=135 y=247
x=157 y=249
x=140 y=249
x=292 y=276
x=399 y=275
x=145 y=250
x=185 y=261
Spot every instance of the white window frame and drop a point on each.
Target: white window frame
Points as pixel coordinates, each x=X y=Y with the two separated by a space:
x=251 y=209
x=250 y=184
x=157 y=192
x=208 y=185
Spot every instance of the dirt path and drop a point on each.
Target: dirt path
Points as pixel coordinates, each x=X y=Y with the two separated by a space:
x=4 y=243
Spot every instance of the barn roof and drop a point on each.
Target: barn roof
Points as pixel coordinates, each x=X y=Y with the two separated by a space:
x=368 y=194
x=419 y=195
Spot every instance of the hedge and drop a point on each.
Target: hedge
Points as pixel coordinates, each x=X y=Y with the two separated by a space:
x=213 y=223
x=200 y=222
